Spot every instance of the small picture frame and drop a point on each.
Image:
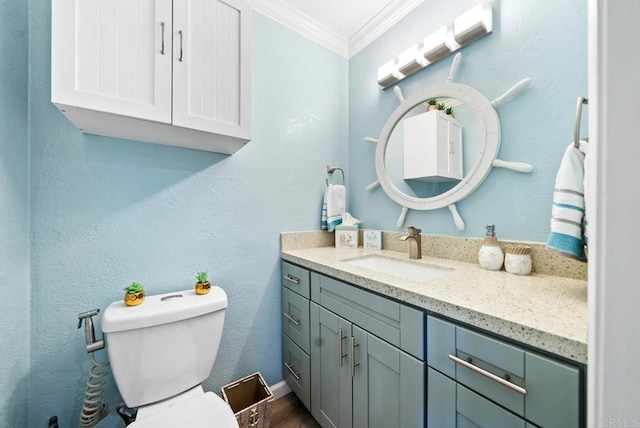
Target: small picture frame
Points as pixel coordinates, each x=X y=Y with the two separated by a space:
x=346 y=236
x=372 y=239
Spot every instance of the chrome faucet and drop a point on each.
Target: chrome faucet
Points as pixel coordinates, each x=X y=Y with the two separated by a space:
x=415 y=242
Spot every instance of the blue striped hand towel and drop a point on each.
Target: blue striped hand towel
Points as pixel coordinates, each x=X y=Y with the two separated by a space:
x=334 y=205
x=568 y=220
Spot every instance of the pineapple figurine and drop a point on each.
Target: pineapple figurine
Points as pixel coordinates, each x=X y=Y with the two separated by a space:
x=134 y=294
x=202 y=286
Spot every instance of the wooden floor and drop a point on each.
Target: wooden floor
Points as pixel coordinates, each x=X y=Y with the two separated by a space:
x=289 y=412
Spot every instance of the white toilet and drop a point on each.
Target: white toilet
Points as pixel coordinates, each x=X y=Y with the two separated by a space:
x=160 y=353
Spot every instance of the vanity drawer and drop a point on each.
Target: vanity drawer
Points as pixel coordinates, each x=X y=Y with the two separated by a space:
x=297 y=370
x=295 y=278
x=482 y=355
x=541 y=389
x=451 y=405
x=398 y=324
x=472 y=410
x=295 y=318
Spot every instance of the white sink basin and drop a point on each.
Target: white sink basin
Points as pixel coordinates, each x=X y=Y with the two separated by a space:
x=399 y=268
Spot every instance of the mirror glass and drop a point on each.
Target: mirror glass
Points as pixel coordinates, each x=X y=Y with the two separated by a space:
x=472 y=145
x=480 y=141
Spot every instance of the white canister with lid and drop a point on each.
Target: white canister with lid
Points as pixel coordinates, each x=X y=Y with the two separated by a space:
x=518 y=259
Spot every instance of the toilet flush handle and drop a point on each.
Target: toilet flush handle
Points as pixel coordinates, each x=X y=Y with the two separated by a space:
x=89 y=333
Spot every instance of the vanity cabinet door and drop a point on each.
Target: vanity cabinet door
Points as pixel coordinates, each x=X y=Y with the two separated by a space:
x=441 y=400
x=331 y=394
x=553 y=392
x=212 y=55
x=388 y=384
x=109 y=57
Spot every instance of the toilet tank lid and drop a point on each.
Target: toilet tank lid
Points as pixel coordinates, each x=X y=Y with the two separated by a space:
x=162 y=309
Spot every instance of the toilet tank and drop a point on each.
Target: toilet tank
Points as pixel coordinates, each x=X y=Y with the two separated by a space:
x=166 y=345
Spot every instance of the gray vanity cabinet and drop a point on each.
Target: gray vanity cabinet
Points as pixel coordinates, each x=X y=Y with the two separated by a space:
x=295 y=329
x=358 y=379
x=477 y=380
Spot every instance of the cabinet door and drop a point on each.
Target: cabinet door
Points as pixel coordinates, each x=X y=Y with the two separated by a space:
x=441 y=400
x=107 y=55
x=211 y=68
x=330 y=378
x=388 y=386
x=455 y=151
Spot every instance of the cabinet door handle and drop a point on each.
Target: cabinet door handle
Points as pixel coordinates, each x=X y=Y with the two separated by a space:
x=354 y=364
x=162 y=40
x=292 y=279
x=341 y=337
x=180 y=34
x=291 y=318
x=293 y=372
x=483 y=372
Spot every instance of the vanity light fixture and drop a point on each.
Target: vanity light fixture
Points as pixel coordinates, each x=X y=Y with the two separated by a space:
x=468 y=27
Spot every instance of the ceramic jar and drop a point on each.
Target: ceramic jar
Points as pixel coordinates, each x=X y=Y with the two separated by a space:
x=518 y=259
x=490 y=256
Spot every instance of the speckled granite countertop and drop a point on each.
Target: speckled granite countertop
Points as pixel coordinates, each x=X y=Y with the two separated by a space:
x=543 y=311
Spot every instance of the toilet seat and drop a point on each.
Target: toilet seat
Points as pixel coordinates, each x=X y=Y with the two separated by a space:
x=207 y=410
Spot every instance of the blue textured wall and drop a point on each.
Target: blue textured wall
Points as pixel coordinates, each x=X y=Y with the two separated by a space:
x=545 y=40
x=14 y=248
x=106 y=212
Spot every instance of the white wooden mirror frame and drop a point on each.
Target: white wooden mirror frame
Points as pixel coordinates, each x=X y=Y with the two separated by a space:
x=484 y=109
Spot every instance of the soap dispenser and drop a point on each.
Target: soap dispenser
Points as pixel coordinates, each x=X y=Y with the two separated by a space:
x=490 y=255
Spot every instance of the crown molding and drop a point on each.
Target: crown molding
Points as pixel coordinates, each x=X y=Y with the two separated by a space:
x=391 y=14
x=303 y=24
x=281 y=12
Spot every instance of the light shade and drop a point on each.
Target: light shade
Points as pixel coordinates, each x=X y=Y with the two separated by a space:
x=473 y=24
x=411 y=61
x=438 y=45
x=388 y=74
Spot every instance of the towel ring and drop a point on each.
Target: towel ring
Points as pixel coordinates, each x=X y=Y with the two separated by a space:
x=331 y=170
x=576 y=137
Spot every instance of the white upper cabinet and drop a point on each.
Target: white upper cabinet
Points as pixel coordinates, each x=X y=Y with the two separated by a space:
x=210 y=89
x=161 y=71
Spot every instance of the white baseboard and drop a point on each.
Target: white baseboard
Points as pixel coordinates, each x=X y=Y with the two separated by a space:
x=280 y=389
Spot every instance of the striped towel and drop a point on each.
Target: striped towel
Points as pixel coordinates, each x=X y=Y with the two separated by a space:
x=568 y=222
x=333 y=206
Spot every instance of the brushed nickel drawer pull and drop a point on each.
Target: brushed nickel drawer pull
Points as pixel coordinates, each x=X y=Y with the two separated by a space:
x=341 y=337
x=490 y=375
x=292 y=319
x=292 y=279
x=353 y=356
x=290 y=368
